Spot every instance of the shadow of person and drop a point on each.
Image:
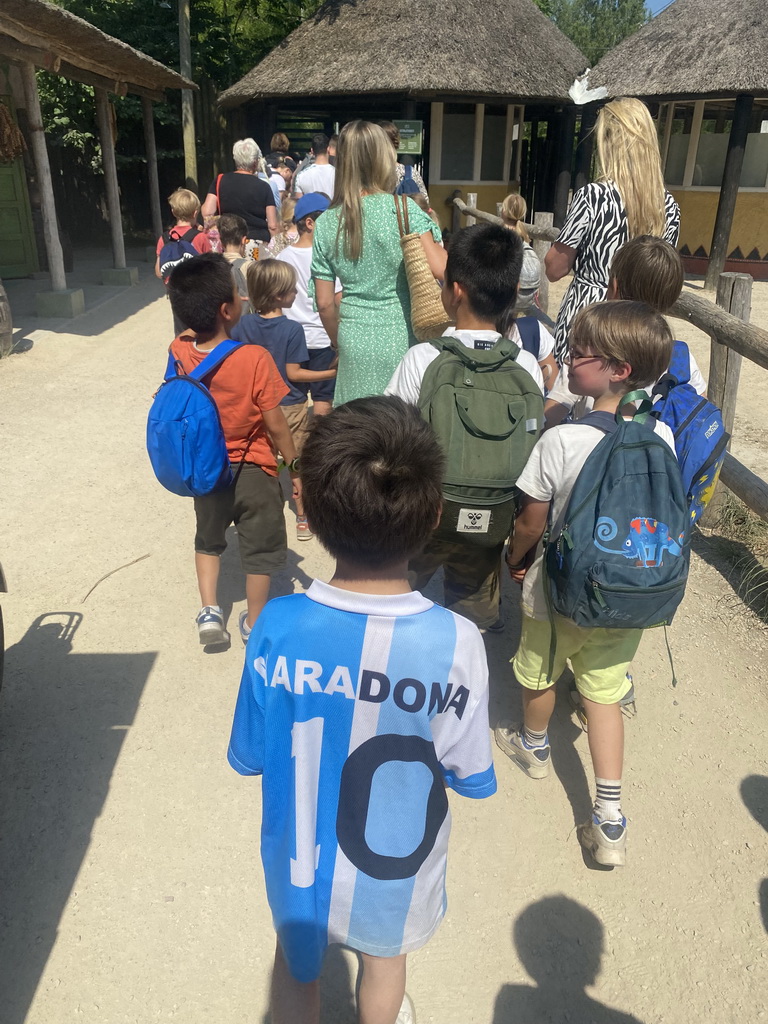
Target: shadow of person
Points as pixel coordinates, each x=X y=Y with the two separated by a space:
x=63 y=718
x=754 y=793
x=560 y=944
x=338 y=1004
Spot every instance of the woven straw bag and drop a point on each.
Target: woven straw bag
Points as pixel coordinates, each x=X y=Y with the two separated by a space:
x=428 y=317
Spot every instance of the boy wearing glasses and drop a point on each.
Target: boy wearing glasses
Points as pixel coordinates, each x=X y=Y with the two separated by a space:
x=615 y=348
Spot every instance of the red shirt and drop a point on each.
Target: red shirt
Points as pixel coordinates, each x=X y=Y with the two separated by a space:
x=201 y=242
x=245 y=385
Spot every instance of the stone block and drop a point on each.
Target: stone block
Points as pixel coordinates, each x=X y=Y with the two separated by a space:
x=126 y=276
x=69 y=303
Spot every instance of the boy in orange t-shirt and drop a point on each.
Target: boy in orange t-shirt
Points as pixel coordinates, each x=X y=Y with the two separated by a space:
x=247 y=389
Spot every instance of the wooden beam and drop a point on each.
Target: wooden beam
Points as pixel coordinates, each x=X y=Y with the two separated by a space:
x=110 y=178
x=47 y=201
x=729 y=189
x=734 y=293
x=748 y=339
x=693 y=143
x=154 y=183
x=745 y=484
x=541 y=230
x=51 y=62
x=187 y=106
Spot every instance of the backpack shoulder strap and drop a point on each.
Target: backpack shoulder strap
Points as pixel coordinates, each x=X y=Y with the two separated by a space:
x=218 y=197
x=189 y=234
x=528 y=326
x=604 y=421
x=215 y=358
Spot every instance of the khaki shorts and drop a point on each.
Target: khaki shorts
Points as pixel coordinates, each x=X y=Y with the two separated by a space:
x=254 y=503
x=298 y=420
x=600 y=657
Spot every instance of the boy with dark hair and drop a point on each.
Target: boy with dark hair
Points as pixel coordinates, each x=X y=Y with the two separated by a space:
x=247 y=390
x=360 y=703
x=481 y=278
x=320 y=175
x=615 y=348
x=233 y=233
x=299 y=255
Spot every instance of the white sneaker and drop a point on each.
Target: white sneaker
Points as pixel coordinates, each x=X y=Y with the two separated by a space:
x=210 y=626
x=407 y=1014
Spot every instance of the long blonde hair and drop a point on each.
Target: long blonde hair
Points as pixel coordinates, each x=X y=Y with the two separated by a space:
x=513 y=211
x=365 y=162
x=628 y=151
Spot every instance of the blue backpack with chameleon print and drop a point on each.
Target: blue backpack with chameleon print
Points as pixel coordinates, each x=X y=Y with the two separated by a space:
x=620 y=559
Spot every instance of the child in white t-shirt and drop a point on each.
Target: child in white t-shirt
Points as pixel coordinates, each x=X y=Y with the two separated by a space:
x=299 y=255
x=615 y=348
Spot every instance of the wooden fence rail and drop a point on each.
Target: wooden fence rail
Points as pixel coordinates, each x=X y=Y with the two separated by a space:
x=727 y=324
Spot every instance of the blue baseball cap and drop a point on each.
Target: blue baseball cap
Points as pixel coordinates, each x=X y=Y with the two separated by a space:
x=312 y=202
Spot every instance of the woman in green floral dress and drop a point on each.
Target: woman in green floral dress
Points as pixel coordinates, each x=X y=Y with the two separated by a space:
x=357 y=240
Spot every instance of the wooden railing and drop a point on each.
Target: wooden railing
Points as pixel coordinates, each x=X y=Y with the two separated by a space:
x=733 y=337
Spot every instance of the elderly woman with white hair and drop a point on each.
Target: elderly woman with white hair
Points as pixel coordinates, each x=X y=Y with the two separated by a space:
x=241 y=192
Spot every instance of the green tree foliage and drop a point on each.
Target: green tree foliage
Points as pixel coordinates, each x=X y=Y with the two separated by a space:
x=596 y=26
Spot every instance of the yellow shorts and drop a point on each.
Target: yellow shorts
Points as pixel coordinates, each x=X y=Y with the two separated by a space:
x=600 y=657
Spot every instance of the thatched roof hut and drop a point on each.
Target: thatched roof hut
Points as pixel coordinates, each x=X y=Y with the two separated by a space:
x=52 y=37
x=500 y=49
x=694 y=49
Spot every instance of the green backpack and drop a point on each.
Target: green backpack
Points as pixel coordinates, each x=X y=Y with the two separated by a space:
x=487 y=411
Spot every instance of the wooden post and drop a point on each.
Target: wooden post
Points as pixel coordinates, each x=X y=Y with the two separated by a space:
x=541 y=248
x=729 y=189
x=585 y=146
x=47 y=201
x=564 y=164
x=734 y=293
x=110 y=178
x=187 y=105
x=154 y=183
x=471 y=201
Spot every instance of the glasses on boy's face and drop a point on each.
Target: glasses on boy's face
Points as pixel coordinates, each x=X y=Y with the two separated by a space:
x=572 y=357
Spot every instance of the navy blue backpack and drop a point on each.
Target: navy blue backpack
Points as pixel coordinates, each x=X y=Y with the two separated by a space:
x=407 y=186
x=528 y=326
x=185 y=440
x=176 y=249
x=621 y=557
x=697 y=425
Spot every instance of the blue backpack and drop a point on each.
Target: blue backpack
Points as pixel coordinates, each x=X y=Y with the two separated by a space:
x=621 y=557
x=407 y=187
x=697 y=424
x=176 y=249
x=185 y=440
x=528 y=326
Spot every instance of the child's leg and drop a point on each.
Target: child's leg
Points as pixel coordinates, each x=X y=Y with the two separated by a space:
x=207 y=569
x=292 y=1001
x=382 y=988
x=213 y=514
x=606 y=738
x=256 y=593
x=321 y=408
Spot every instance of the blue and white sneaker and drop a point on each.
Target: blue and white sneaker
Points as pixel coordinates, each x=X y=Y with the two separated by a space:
x=245 y=629
x=210 y=626
x=605 y=840
x=534 y=761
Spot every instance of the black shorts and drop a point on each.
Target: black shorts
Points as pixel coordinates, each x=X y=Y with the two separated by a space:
x=254 y=503
x=321 y=359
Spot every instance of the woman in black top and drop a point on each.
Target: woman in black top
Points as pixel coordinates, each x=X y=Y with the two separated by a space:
x=242 y=193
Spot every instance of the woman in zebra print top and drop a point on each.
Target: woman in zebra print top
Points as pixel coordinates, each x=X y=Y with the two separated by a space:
x=628 y=200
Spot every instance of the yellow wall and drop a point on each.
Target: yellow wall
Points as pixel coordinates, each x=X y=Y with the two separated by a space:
x=697 y=221
x=487 y=197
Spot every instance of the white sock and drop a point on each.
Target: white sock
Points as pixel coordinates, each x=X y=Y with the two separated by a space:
x=534 y=739
x=608 y=799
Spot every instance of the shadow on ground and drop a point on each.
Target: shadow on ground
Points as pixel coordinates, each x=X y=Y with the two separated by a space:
x=560 y=944
x=63 y=719
x=745 y=574
x=754 y=793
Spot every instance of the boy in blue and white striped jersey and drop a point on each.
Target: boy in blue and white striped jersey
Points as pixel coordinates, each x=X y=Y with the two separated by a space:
x=360 y=703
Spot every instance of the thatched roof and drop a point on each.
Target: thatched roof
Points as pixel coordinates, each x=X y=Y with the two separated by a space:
x=499 y=49
x=52 y=37
x=692 y=49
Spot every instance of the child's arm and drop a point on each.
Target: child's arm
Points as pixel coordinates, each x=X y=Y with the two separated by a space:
x=282 y=438
x=549 y=370
x=529 y=529
x=297 y=373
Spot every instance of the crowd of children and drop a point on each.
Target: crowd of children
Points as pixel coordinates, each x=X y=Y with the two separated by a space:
x=361 y=701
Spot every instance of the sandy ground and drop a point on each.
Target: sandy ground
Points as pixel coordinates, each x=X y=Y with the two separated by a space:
x=131 y=883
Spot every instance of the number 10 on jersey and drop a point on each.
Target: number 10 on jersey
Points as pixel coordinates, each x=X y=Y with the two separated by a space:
x=306 y=749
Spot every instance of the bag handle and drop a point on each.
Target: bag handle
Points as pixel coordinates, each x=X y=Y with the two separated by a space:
x=402 y=217
x=472 y=427
x=218 y=198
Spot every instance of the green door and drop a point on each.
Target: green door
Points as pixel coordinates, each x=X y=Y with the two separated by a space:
x=18 y=253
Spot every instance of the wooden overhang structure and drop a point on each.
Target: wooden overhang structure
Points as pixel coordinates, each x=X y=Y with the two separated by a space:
x=705 y=62
x=37 y=34
x=470 y=70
